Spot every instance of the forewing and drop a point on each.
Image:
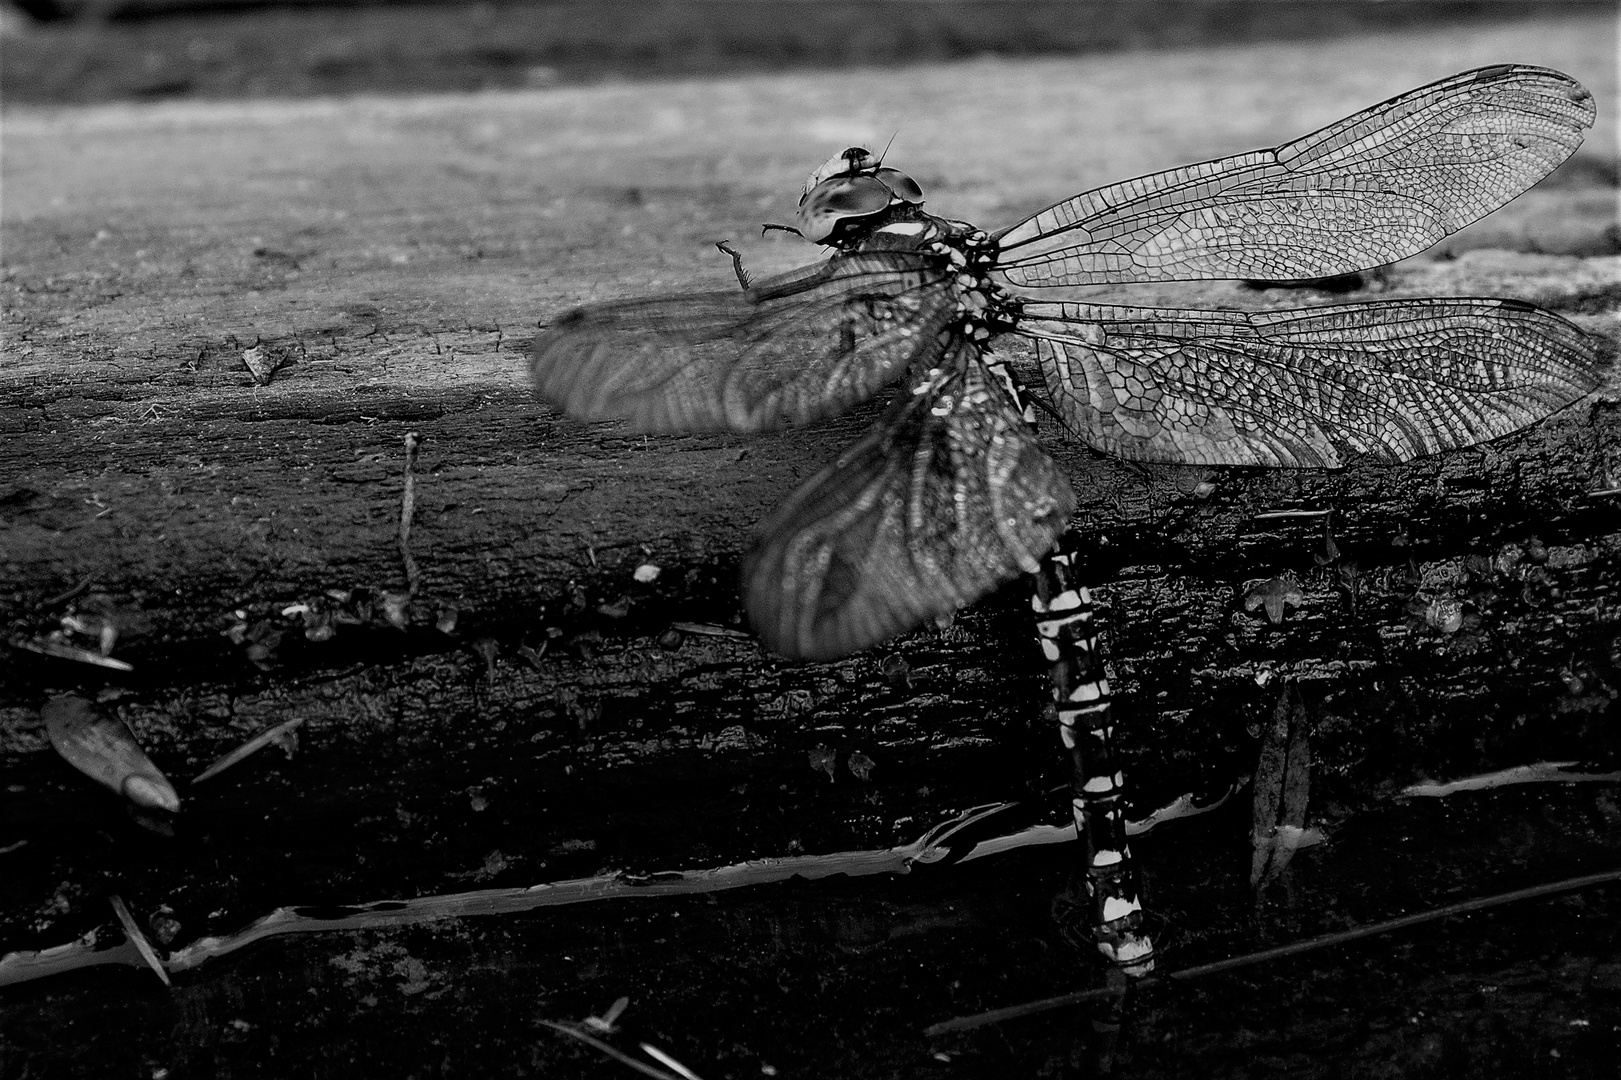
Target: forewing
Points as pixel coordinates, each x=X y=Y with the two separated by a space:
x=946 y=497
x=1305 y=388
x=1373 y=188
x=795 y=348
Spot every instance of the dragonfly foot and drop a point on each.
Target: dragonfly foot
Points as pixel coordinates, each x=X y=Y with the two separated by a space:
x=737 y=264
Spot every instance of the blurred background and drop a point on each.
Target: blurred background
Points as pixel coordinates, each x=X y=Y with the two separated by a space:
x=63 y=51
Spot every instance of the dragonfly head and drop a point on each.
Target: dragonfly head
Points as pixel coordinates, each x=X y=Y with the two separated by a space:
x=850 y=186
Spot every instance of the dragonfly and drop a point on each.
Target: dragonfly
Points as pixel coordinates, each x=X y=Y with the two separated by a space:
x=950 y=493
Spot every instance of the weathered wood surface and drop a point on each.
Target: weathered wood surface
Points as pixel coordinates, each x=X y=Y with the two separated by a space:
x=399 y=253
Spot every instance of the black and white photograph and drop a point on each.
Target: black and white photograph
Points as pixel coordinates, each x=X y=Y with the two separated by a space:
x=843 y=539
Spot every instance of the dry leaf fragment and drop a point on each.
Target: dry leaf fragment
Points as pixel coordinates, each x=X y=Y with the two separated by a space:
x=104 y=749
x=1282 y=787
x=261 y=363
x=1276 y=595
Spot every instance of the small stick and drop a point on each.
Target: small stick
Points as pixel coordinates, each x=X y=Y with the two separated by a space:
x=64 y=597
x=1324 y=941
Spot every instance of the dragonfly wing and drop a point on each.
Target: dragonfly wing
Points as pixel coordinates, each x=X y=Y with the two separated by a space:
x=1307 y=387
x=799 y=347
x=1373 y=188
x=946 y=497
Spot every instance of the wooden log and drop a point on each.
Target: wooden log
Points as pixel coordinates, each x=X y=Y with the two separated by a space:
x=395 y=255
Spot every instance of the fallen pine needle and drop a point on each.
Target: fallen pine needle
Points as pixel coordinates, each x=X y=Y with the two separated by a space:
x=669 y=1062
x=138 y=939
x=252 y=746
x=63 y=651
x=708 y=630
x=613 y=1052
x=1324 y=941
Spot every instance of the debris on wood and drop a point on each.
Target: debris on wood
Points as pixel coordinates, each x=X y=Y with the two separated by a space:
x=488 y=649
x=54 y=646
x=606 y=1023
x=407 y=510
x=262 y=363
x=137 y=938
x=1543 y=772
x=1282 y=789
x=104 y=749
x=897 y=672
x=1183 y=806
x=668 y=1062
x=284 y=735
x=446 y=622
x=1275 y=594
x=709 y=630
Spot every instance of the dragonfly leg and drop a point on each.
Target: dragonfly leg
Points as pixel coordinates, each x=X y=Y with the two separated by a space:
x=1068 y=637
x=737 y=264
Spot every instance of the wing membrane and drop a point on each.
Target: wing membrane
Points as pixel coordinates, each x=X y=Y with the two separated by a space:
x=1375 y=187
x=1392 y=379
x=799 y=347
x=946 y=497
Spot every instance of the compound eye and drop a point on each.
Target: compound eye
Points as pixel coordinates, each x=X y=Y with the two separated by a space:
x=834 y=200
x=905 y=188
x=853 y=196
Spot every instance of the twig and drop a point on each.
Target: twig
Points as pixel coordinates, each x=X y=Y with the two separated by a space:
x=1463 y=907
x=64 y=597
